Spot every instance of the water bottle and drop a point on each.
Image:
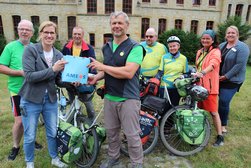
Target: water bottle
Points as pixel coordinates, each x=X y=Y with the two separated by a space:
x=63 y=105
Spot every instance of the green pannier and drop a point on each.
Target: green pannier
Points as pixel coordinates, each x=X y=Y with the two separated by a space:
x=69 y=142
x=191 y=125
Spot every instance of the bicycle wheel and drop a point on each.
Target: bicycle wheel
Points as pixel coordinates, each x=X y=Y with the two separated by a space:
x=147 y=147
x=173 y=141
x=90 y=143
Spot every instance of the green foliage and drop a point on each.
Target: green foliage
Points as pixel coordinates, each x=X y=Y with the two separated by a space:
x=244 y=29
x=2 y=43
x=34 y=38
x=190 y=42
x=58 y=45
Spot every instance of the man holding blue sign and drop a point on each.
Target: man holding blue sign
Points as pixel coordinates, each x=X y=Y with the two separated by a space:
x=79 y=48
x=122 y=59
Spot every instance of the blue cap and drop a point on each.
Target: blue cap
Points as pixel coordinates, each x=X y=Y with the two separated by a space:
x=210 y=32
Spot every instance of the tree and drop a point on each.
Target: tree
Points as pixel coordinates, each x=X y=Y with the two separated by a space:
x=190 y=42
x=244 y=29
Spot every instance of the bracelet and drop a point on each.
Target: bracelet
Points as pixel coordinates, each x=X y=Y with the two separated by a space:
x=203 y=73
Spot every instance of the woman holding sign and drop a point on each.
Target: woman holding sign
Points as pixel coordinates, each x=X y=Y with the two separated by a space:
x=41 y=64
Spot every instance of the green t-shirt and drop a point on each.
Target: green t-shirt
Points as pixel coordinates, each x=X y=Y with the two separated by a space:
x=12 y=57
x=136 y=56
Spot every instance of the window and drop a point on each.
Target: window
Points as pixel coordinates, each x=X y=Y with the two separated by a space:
x=1 y=26
x=196 y=2
x=194 y=26
x=162 y=26
x=178 y=24
x=91 y=6
x=212 y=2
x=71 y=23
x=92 y=39
x=162 y=1
x=146 y=1
x=229 y=10
x=107 y=37
x=144 y=26
x=248 y=13
x=238 y=10
x=109 y=6
x=210 y=25
x=35 y=20
x=54 y=19
x=16 y=19
x=179 y=1
x=127 y=6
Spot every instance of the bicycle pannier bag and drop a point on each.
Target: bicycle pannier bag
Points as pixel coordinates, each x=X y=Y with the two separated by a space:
x=147 y=122
x=191 y=125
x=154 y=103
x=69 y=142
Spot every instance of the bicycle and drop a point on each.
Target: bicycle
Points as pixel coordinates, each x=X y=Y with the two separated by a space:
x=72 y=113
x=169 y=133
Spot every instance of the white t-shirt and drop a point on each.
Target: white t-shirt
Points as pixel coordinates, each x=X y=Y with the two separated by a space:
x=48 y=57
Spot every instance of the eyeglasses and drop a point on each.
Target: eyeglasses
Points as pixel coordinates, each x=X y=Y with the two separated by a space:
x=47 y=33
x=23 y=29
x=149 y=36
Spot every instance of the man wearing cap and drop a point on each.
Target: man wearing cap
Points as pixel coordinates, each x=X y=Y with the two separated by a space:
x=154 y=52
x=173 y=65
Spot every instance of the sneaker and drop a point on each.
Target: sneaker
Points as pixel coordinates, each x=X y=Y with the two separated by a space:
x=13 y=153
x=219 y=141
x=109 y=163
x=137 y=165
x=38 y=146
x=58 y=163
x=29 y=164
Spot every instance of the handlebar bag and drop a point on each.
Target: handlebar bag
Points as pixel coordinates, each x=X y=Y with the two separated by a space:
x=154 y=103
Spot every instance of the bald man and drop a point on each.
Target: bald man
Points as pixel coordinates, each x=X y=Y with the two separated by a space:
x=154 y=53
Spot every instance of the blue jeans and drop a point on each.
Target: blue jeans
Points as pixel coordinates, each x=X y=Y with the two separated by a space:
x=225 y=97
x=30 y=114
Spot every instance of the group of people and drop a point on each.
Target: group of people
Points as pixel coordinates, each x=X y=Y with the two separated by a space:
x=33 y=74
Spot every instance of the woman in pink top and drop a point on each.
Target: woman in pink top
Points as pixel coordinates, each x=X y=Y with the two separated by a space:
x=208 y=60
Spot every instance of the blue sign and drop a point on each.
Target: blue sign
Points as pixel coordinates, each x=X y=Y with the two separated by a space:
x=76 y=69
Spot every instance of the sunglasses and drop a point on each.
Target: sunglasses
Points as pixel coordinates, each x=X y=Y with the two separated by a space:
x=149 y=36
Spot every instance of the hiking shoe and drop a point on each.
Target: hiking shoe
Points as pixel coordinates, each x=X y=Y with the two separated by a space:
x=219 y=141
x=13 y=153
x=29 y=164
x=137 y=165
x=109 y=163
x=38 y=146
x=58 y=163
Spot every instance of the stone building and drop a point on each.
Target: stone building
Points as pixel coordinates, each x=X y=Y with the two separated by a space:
x=93 y=15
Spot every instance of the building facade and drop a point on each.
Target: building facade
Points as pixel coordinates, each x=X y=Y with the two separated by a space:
x=93 y=16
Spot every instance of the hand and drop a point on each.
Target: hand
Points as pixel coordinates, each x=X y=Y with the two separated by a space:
x=222 y=78
x=76 y=84
x=92 y=80
x=59 y=65
x=96 y=65
x=198 y=75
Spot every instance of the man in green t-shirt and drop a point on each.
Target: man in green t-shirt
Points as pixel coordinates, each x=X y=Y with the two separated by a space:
x=120 y=69
x=11 y=65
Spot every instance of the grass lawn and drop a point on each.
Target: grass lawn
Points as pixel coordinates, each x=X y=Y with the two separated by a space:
x=234 y=154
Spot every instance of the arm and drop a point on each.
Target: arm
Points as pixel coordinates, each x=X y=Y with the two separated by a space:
x=11 y=72
x=33 y=71
x=124 y=72
x=241 y=60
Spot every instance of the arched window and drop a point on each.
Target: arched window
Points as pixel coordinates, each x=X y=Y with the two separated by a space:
x=144 y=26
